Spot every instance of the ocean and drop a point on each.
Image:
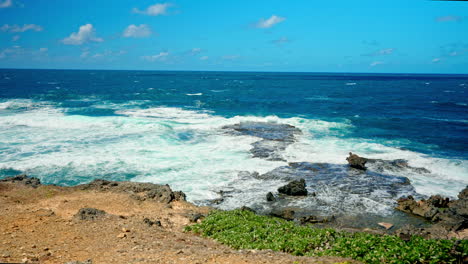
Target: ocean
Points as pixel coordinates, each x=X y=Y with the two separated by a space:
x=68 y=127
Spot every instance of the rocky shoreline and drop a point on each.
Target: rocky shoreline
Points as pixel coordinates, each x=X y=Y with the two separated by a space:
x=308 y=183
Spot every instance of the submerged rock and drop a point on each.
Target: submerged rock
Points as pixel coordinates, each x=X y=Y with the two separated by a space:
x=275 y=138
x=356 y=162
x=24 y=179
x=140 y=191
x=89 y=214
x=294 y=188
x=266 y=130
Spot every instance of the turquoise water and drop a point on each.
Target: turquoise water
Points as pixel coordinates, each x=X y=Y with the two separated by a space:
x=69 y=127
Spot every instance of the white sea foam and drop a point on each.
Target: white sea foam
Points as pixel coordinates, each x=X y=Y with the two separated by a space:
x=186 y=149
x=195 y=94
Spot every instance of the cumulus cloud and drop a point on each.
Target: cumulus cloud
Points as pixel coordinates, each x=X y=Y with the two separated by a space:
x=162 y=56
x=204 y=58
x=134 y=31
x=449 y=19
x=376 y=63
x=6 y=3
x=268 y=23
x=154 y=10
x=17 y=28
x=86 y=33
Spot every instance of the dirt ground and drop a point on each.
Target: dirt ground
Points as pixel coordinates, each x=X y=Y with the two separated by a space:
x=37 y=225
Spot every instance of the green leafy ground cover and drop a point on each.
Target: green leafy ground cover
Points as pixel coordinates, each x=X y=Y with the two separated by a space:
x=243 y=229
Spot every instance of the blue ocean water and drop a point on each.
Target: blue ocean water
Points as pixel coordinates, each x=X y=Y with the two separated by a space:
x=71 y=126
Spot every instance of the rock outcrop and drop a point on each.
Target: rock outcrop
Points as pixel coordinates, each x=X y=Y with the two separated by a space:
x=294 y=188
x=450 y=215
x=356 y=162
x=380 y=165
x=23 y=179
x=139 y=191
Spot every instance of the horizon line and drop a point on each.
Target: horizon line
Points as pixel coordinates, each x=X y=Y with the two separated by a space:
x=240 y=71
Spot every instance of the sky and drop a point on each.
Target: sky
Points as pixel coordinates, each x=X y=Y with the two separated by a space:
x=385 y=36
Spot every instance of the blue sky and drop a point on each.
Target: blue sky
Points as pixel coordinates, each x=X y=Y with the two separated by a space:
x=417 y=36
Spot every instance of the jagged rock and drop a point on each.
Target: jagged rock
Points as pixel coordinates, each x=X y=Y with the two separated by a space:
x=294 y=188
x=140 y=191
x=24 y=179
x=356 y=162
x=270 y=197
x=311 y=219
x=284 y=213
x=445 y=214
x=89 y=214
x=463 y=194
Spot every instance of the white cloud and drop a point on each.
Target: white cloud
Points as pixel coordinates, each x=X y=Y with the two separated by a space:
x=134 y=31
x=204 y=58
x=15 y=50
x=43 y=49
x=273 y=20
x=376 y=63
x=154 y=10
x=6 y=3
x=436 y=60
x=85 y=34
x=17 y=28
x=162 y=56
x=15 y=38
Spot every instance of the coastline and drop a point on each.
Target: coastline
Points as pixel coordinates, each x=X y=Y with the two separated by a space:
x=120 y=222
x=141 y=223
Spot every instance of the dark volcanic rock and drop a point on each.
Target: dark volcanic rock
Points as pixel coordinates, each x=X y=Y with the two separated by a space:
x=265 y=130
x=270 y=197
x=394 y=165
x=276 y=138
x=284 y=213
x=356 y=162
x=294 y=188
x=24 y=179
x=140 y=191
x=269 y=149
x=89 y=214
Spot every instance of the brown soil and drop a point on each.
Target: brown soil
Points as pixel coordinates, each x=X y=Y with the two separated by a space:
x=37 y=225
